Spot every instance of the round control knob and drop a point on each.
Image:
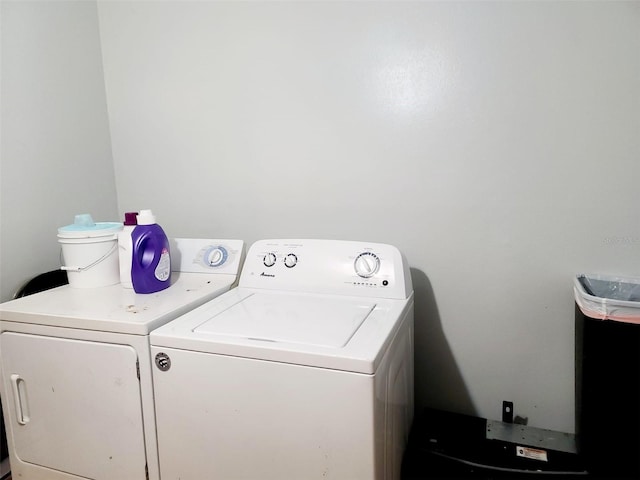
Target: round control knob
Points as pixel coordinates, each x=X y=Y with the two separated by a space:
x=366 y=264
x=290 y=260
x=216 y=256
x=269 y=260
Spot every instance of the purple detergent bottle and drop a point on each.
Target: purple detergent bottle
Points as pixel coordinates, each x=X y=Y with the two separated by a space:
x=151 y=259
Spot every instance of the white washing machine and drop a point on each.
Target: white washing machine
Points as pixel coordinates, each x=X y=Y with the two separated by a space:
x=75 y=376
x=304 y=371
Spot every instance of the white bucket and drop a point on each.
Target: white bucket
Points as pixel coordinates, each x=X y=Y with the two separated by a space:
x=90 y=254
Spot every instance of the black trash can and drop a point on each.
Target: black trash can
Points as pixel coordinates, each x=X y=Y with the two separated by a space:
x=607 y=319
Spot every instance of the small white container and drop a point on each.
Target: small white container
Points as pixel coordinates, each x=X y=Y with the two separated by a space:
x=90 y=252
x=125 y=249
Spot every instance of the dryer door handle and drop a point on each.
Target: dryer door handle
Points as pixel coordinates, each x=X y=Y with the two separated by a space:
x=18 y=386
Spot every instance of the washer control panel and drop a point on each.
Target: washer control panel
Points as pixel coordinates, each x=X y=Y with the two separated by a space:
x=198 y=255
x=327 y=266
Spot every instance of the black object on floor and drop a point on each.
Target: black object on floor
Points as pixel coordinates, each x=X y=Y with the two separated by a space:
x=450 y=445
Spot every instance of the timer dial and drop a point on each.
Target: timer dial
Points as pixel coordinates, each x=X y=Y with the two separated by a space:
x=366 y=264
x=269 y=260
x=216 y=256
x=290 y=260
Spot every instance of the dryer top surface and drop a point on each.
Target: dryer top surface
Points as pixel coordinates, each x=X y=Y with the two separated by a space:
x=114 y=308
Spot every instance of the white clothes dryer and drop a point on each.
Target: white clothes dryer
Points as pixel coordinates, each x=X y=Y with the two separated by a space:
x=304 y=371
x=75 y=376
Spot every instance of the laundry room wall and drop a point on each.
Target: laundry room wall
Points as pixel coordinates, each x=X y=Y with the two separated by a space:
x=55 y=151
x=495 y=143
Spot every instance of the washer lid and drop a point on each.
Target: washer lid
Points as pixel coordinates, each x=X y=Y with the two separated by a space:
x=316 y=330
x=291 y=319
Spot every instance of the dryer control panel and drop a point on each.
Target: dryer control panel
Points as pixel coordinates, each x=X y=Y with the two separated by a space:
x=203 y=255
x=327 y=266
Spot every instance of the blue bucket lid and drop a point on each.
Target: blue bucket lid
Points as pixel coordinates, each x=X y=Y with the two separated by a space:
x=84 y=226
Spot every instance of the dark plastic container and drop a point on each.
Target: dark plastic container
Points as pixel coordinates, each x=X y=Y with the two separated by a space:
x=607 y=318
x=151 y=259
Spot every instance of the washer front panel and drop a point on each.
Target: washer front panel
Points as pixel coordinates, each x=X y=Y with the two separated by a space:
x=223 y=417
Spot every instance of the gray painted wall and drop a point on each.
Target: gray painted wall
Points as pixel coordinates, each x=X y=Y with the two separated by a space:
x=55 y=152
x=495 y=143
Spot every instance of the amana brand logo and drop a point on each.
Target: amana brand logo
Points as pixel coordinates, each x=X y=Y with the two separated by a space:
x=267 y=275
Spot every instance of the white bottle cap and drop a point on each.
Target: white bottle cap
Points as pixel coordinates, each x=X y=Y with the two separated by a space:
x=146 y=217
